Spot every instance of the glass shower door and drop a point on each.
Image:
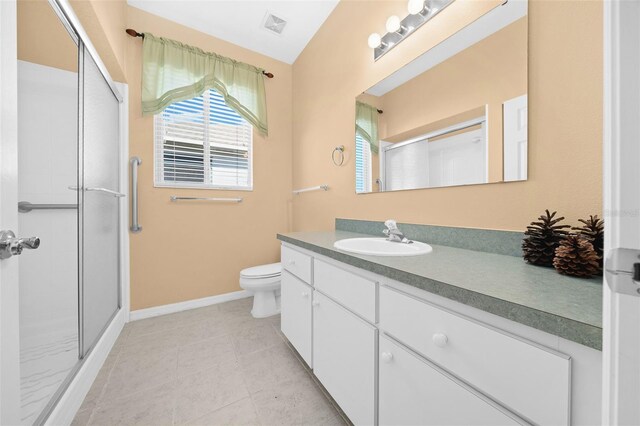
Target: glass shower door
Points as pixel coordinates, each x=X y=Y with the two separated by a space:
x=99 y=203
x=67 y=183
x=47 y=167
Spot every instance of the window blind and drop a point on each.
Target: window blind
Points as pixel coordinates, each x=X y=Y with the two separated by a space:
x=202 y=143
x=363 y=165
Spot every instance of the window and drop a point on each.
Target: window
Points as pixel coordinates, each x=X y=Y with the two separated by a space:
x=363 y=165
x=202 y=143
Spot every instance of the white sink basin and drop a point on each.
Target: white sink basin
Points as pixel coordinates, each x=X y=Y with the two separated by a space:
x=382 y=247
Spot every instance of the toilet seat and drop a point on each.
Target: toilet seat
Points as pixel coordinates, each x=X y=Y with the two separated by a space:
x=271 y=270
x=264 y=283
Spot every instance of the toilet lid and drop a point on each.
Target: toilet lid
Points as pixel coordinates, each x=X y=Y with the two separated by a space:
x=262 y=271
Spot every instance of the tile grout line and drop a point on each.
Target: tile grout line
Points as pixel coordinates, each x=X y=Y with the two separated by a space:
x=104 y=387
x=174 y=391
x=246 y=388
x=244 y=380
x=318 y=385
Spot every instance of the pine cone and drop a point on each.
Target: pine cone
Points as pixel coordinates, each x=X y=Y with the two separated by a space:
x=543 y=238
x=593 y=231
x=576 y=257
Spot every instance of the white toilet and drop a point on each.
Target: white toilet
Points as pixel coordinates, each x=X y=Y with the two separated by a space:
x=264 y=282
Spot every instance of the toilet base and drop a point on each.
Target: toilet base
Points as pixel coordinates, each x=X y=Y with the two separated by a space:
x=265 y=304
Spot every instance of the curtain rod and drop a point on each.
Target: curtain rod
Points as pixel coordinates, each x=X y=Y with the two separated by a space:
x=134 y=33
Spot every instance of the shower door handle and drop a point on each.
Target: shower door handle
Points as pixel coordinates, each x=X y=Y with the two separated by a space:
x=102 y=190
x=106 y=191
x=12 y=246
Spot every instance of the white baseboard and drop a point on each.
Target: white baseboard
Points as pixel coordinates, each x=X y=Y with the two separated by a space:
x=189 y=304
x=66 y=409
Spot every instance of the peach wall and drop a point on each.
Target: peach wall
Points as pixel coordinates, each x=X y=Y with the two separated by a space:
x=102 y=19
x=565 y=119
x=193 y=250
x=111 y=17
x=42 y=39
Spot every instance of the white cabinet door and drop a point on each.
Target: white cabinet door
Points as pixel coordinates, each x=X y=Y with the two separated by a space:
x=344 y=354
x=296 y=314
x=413 y=392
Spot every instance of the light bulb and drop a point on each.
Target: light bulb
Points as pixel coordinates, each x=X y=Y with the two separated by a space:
x=393 y=24
x=415 y=6
x=374 y=40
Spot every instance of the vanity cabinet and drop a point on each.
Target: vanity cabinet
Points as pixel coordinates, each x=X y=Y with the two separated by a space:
x=414 y=391
x=295 y=305
x=344 y=353
x=388 y=354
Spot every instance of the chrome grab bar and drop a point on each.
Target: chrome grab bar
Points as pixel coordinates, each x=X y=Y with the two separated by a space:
x=135 y=224
x=26 y=207
x=223 y=200
x=98 y=189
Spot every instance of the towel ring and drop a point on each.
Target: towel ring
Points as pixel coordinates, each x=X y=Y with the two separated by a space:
x=340 y=151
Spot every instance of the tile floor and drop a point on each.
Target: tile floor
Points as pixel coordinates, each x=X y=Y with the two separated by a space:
x=210 y=366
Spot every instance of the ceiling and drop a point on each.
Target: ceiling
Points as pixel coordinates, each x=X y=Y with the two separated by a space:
x=241 y=22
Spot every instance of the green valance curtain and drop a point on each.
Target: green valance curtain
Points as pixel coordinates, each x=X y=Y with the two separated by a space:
x=173 y=71
x=367 y=124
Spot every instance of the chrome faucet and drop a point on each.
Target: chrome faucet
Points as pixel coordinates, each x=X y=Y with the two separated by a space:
x=393 y=233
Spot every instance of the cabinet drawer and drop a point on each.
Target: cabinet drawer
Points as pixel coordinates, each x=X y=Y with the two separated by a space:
x=413 y=392
x=295 y=320
x=351 y=290
x=299 y=264
x=532 y=381
x=344 y=354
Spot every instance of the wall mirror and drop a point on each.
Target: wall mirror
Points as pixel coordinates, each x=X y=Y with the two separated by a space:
x=456 y=115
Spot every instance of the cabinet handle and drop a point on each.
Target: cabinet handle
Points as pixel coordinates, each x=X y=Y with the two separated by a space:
x=304 y=294
x=440 y=340
x=386 y=357
x=315 y=303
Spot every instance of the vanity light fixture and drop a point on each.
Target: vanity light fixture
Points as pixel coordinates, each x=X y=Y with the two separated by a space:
x=420 y=12
x=415 y=6
x=375 y=40
x=393 y=24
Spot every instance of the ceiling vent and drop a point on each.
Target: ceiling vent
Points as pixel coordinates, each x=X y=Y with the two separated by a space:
x=274 y=24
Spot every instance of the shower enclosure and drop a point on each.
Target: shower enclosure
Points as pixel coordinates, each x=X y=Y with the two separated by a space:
x=69 y=152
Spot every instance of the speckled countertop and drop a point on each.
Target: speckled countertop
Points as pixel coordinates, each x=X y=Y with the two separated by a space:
x=502 y=285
